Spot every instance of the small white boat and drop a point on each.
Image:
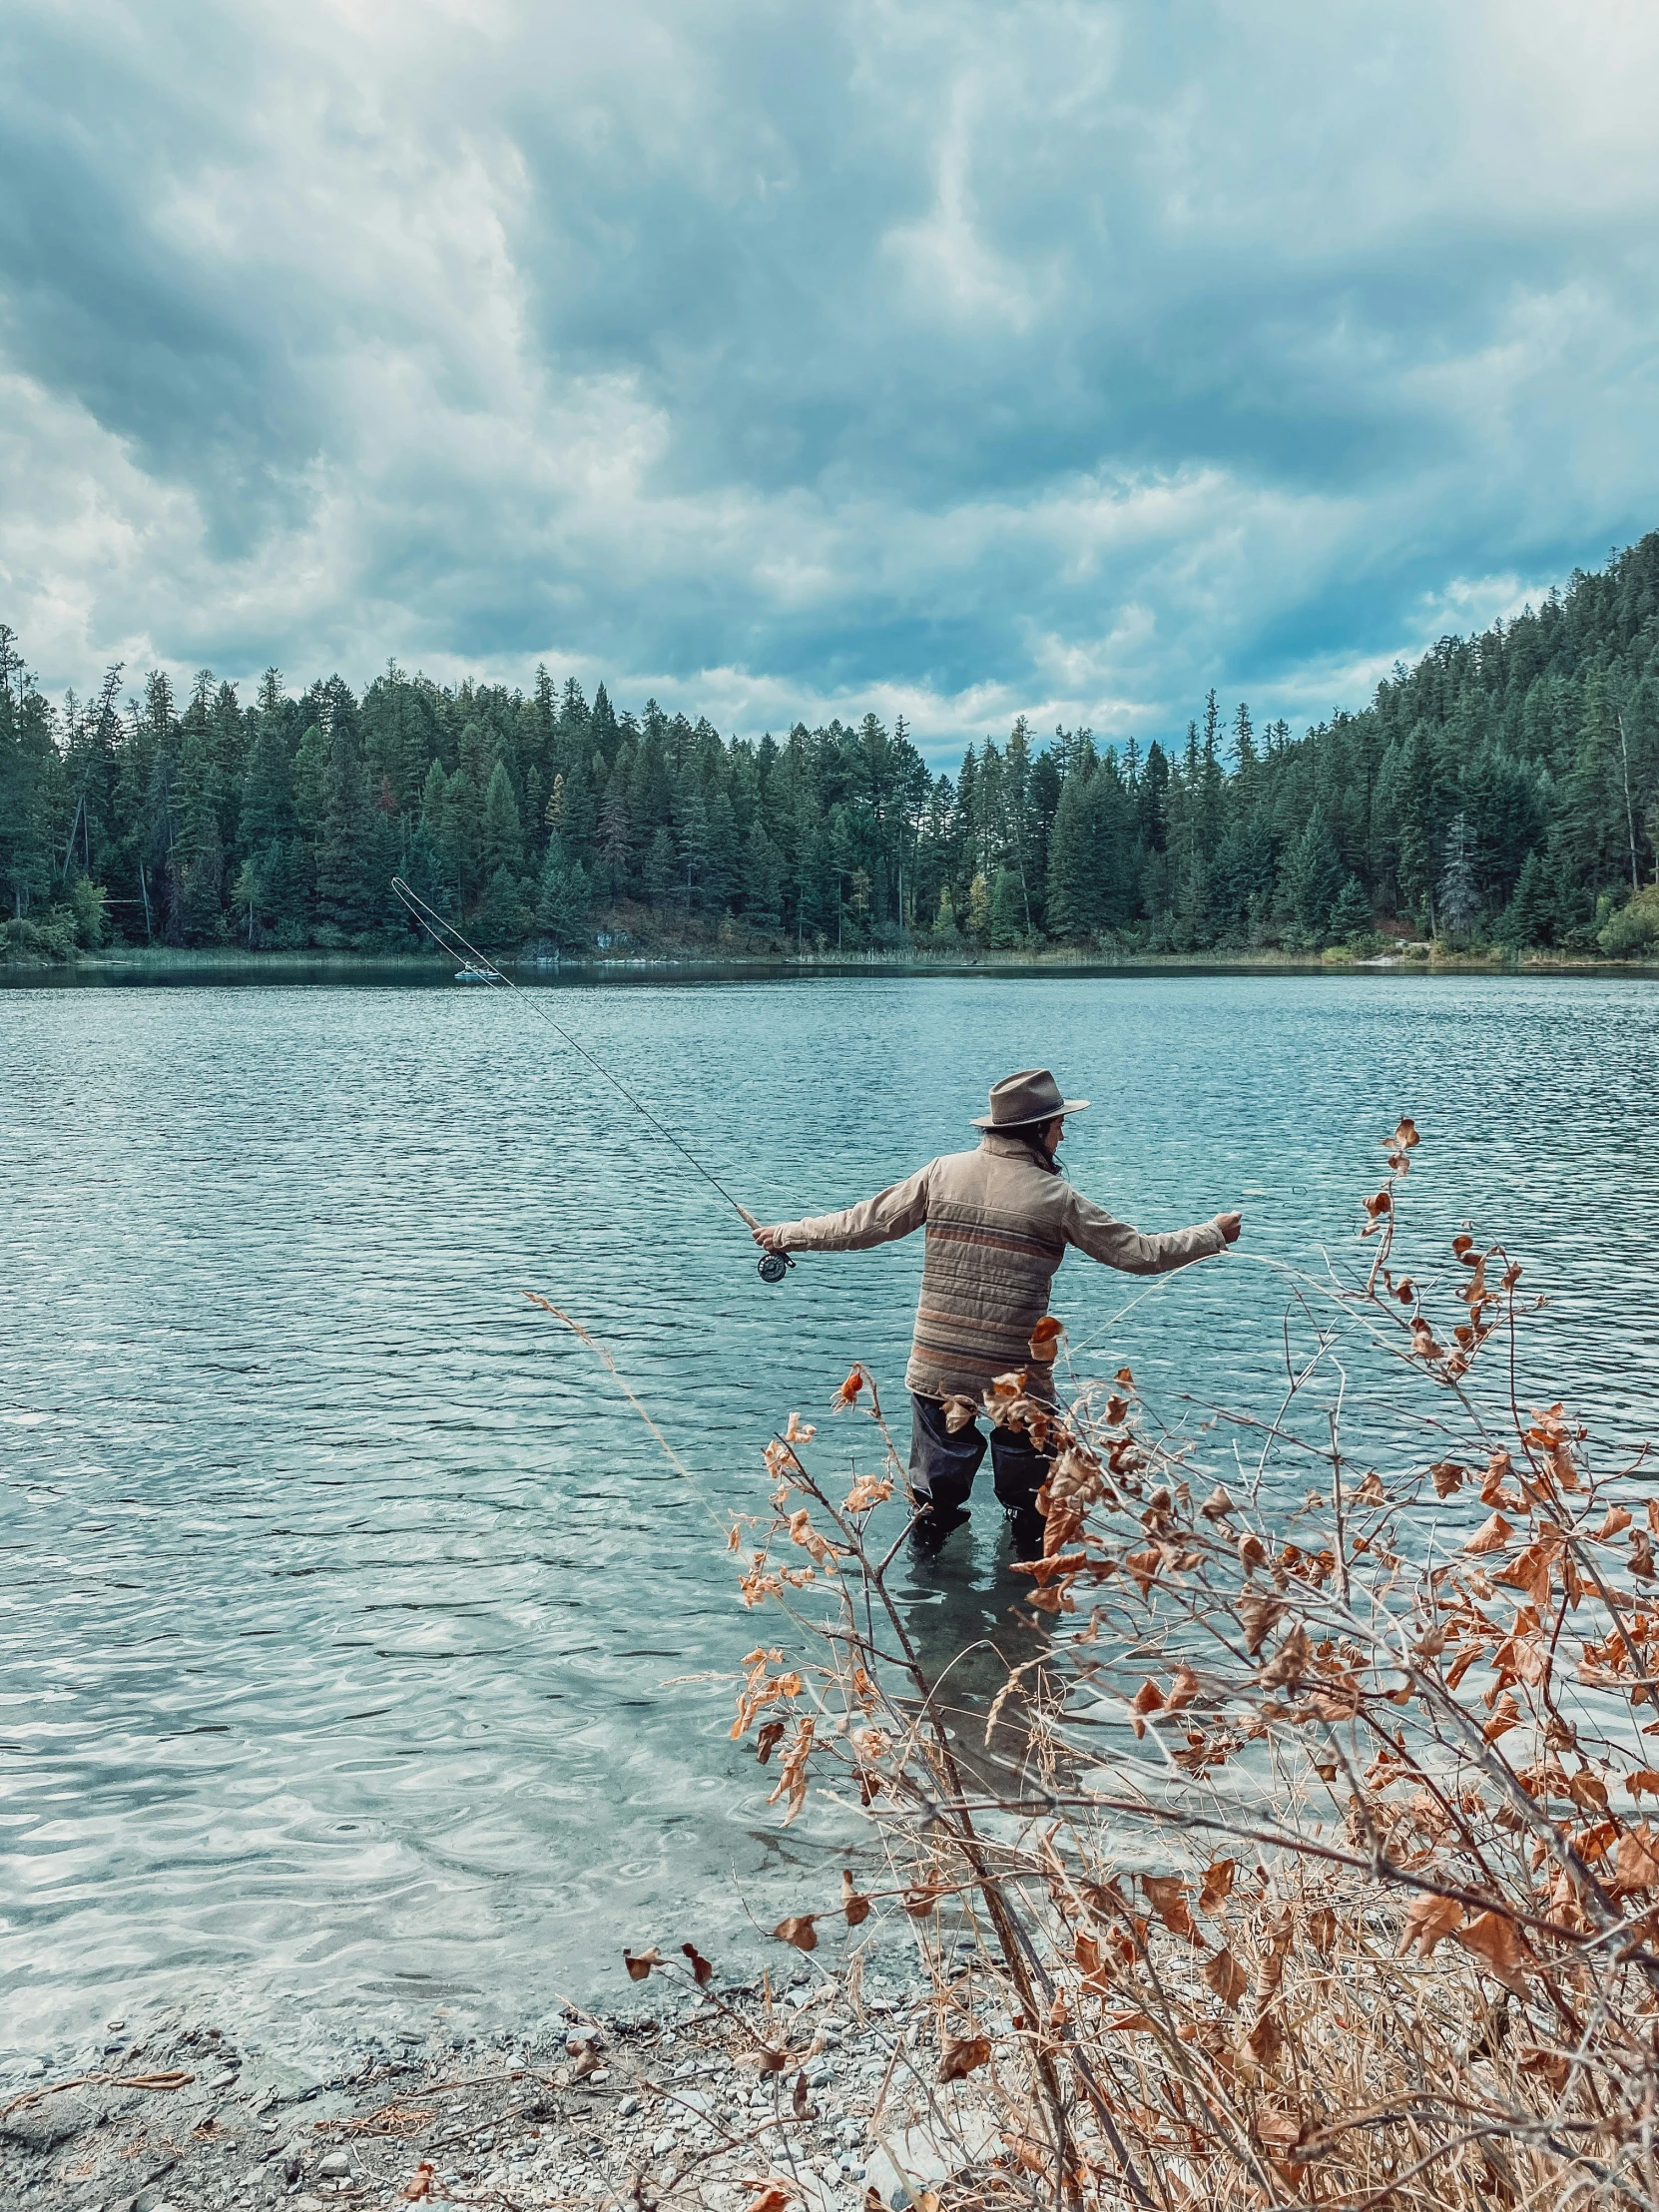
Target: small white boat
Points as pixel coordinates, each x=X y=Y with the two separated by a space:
x=472 y=976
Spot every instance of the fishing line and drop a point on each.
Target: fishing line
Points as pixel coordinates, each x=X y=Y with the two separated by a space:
x=772 y=1266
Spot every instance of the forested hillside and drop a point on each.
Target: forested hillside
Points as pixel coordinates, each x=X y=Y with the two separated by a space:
x=1506 y=787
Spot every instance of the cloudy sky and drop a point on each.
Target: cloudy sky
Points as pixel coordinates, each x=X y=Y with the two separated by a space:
x=951 y=358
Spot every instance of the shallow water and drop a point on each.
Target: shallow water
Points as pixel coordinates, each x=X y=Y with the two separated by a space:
x=351 y=1619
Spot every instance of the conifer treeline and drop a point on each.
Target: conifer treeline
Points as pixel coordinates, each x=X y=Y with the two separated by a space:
x=1507 y=785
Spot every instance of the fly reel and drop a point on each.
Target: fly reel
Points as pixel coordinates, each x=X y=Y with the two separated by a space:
x=772 y=1267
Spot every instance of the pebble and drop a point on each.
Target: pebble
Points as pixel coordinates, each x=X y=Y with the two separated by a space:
x=336 y=2167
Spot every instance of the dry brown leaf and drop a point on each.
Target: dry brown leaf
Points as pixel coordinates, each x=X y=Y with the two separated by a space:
x=1322 y=1930
x=1505 y=1715
x=798 y=1930
x=1637 y=1866
x=1217 y=1505
x=1492 y=1534
x=959 y=1411
x=767 y=1742
x=801 y=2103
x=1258 y=1616
x=1227 y=1977
x=1493 y=1939
x=1550 y=2065
x=1218 y=1883
x=773 y=2197
x=855 y=1908
x=640 y=1963
x=422 y=2184
x=1045 y=1340
x=960 y=2055
x=1587 y=1790
x=1280 y=2131
x=1266 y=2039
x=1168 y=1896
x=1290 y=1662
x=1617 y=1521
x=1182 y=1690
x=703 y=1971
x=1643 y=1778
x=1371 y=1492
x=1446 y=1476
x=1429 y=1921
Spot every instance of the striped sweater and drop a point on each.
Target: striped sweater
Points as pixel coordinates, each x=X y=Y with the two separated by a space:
x=998 y=1224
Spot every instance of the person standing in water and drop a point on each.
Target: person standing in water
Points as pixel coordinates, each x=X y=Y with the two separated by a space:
x=999 y=1221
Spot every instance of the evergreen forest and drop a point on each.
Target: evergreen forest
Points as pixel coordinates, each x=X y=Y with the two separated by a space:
x=1505 y=791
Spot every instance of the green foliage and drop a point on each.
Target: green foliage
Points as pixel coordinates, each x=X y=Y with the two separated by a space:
x=1633 y=930
x=1506 y=786
x=1529 y=918
x=563 y=902
x=1351 y=917
x=1313 y=876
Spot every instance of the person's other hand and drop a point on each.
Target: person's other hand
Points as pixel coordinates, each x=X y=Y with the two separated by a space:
x=768 y=1239
x=1230 y=1225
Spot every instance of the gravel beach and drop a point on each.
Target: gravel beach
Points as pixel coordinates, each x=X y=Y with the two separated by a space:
x=823 y=2087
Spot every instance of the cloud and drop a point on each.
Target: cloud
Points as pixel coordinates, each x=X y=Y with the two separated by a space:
x=954 y=361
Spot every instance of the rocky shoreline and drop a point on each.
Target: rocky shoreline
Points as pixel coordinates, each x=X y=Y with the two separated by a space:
x=823 y=2088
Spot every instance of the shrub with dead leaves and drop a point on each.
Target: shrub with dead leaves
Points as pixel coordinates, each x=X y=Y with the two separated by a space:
x=1325 y=1877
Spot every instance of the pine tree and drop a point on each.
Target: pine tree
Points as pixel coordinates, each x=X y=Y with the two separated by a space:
x=1314 y=875
x=1007 y=912
x=1529 y=918
x=461 y=834
x=504 y=916
x=980 y=909
x=27 y=762
x=763 y=881
x=348 y=900
x=267 y=790
x=1074 y=876
x=196 y=859
x=562 y=900
x=1460 y=898
x=311 y=782
x=1351 y=916
x=661 y=869
x=502 y=837
x=719 y=865
x=616 y=831
x=691 y=833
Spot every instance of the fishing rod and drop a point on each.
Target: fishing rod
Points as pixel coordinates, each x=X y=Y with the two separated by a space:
x=772 y=1266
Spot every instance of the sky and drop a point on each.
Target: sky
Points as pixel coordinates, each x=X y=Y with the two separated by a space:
x=945 y=359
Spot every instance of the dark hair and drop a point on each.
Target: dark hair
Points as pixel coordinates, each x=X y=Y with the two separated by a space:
x=1029 y=1135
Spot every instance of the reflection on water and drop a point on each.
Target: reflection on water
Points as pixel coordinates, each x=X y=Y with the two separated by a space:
x=971 y=1629
x=355 y=1636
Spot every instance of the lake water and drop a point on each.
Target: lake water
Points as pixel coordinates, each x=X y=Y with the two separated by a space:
x=351 y=1620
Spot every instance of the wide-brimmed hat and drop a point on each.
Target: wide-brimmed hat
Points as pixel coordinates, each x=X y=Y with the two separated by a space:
x=1020 y=1101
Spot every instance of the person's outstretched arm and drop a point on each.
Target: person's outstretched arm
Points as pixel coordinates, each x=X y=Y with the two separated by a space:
x=891 y=1213
x=1094 y=1231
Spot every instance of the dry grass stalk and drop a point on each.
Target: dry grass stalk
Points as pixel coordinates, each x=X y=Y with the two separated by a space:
x=1325 y=1877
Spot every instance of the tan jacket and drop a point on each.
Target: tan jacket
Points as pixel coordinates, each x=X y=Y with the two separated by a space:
x=999 y=1226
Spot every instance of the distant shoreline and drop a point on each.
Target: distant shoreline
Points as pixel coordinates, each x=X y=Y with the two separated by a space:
x=137 y=963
